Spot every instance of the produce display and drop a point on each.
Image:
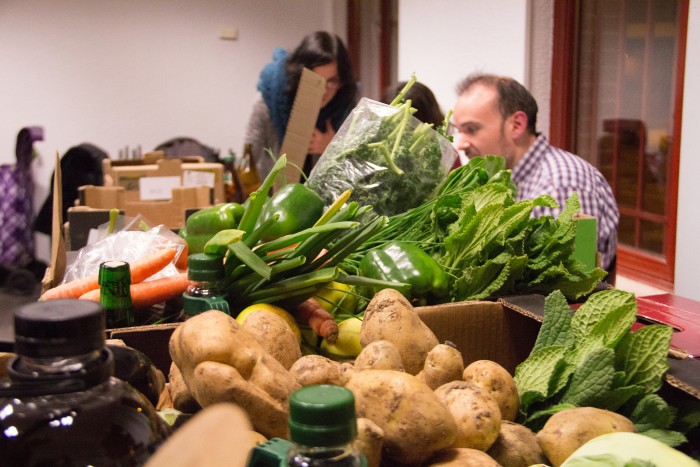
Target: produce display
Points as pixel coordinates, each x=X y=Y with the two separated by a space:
x=422 y=404
x=322 y=280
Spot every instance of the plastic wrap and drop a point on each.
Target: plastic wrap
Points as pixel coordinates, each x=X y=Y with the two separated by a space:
x=390 y=159
x=125 y=245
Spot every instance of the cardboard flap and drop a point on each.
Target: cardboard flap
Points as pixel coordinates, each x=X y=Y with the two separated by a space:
x=58 y=243
x=302 y=121
x=168 y=168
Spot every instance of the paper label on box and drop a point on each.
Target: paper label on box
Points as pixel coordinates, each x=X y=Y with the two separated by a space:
x=157 y=188
x=198 y=178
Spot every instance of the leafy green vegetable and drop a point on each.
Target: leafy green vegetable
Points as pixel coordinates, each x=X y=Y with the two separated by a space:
x=591 y=358
x=390 y=160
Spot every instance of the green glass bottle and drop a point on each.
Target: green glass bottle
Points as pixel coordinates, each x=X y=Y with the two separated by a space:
x=322 y=427
x=206 y=274
x=115 y=281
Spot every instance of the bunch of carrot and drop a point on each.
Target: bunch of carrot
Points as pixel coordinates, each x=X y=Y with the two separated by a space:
x=143 y=293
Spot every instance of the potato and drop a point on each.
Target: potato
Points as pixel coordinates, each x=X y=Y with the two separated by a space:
x=220 y=361
x=275 y=336
x=569 y=429
x=516 y=446
x=379 y=355
x=317 y=369
x=389 y=316
x=498 y=382
x=443 y=364
x=476 y=413
x=369 y=441
x=461 y=457
x=415 y=423
x=182 y=398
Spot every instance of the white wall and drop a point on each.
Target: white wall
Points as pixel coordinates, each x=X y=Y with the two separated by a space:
x=442 y=41
x=119 y=74
x=687 y=251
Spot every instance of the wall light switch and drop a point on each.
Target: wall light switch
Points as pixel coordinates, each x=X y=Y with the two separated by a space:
x=229 y=33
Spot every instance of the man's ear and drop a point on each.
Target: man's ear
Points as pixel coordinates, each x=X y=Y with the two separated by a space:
x=518 y=124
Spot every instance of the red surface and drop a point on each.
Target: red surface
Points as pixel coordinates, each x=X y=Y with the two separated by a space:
x=683 y=314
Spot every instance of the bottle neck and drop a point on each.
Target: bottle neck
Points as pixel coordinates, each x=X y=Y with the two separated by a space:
x=62 y=374
x=205 y=288
x=331 y=454
x=56 y=365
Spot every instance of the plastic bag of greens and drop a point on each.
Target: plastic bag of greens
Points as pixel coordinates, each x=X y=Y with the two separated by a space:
x=390 y=159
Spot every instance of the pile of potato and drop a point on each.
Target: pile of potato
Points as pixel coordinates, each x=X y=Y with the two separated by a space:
x=416 y=402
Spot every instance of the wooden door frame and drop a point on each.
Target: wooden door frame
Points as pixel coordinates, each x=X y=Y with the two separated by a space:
x=656 y=270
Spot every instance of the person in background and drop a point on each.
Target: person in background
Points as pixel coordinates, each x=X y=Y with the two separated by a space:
x=323 y=53
x=422 y=99
x=497 y=115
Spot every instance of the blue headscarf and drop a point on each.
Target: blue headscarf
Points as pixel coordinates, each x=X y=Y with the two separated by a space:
x=272 y=85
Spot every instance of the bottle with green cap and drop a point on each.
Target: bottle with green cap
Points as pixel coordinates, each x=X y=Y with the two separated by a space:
x=114 y=278
x=322 y=427
x=205 y=292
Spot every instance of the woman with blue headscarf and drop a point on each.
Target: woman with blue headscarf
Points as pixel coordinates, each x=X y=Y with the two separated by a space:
x=323 y=53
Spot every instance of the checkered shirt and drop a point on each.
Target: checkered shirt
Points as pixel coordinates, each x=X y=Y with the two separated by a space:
x=545 y=169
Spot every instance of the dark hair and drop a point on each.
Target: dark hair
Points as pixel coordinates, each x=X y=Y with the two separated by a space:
x=512 y=96
x=422 y=99
x=316 y=49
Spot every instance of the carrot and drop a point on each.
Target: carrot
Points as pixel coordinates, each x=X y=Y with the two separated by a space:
x=141 y=269
x=145 y=267
x=72 y=289
x=145 y=294
x=318 y=318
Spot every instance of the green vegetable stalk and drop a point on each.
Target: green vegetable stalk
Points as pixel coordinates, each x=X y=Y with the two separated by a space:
x=280 y=253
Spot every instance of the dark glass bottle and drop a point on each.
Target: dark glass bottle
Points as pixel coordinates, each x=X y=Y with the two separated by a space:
x=115 y=279
x=61 y=405
x=322 y=427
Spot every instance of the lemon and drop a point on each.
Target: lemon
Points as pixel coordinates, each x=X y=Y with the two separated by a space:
x=281 y=312
x=348 y=343
x=337 y=297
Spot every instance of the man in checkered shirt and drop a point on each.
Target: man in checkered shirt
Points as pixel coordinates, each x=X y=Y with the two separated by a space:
x=497 y=115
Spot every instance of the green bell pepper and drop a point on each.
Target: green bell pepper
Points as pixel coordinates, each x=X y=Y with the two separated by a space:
x=205 y=223
x=405 y=262
x=298 y=207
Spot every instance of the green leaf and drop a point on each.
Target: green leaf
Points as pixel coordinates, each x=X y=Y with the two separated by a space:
x=533 y=376
x=241 y=251
x=616 y=397
x=652 y=412
x=592 y=377
x=596 y=307
x=556 y=323
x=642 y=356
x=613 y=326
x=537 y=419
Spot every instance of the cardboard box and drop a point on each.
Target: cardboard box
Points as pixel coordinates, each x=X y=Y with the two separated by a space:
x=81 y=220
x=170 y=213
x=129 y=176
x=503 y=331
